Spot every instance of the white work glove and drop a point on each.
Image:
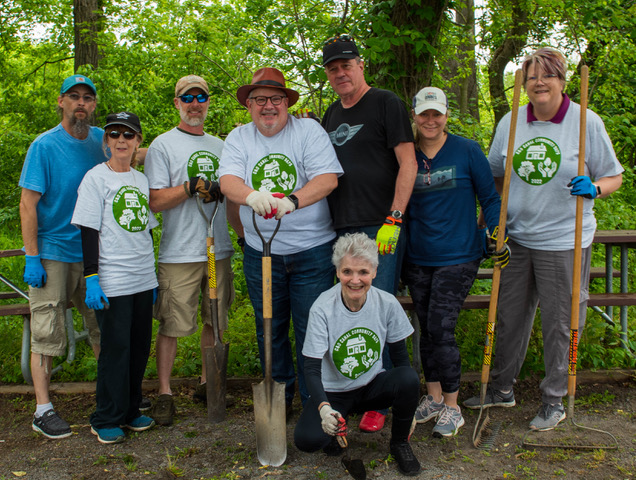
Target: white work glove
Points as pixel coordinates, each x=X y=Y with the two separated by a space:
x=263 y=203
x=332 y=421
x=285 y=206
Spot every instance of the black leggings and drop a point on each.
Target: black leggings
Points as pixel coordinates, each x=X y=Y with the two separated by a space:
x=397 y=388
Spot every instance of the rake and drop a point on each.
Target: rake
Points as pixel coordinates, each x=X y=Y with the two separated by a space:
x=482 y=427
x=561 y=436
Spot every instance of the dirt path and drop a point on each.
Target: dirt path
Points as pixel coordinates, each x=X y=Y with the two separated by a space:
x=194 y=449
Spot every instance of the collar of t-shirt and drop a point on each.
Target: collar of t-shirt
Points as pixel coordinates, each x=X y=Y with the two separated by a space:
x=192 y=134
x=560 y=115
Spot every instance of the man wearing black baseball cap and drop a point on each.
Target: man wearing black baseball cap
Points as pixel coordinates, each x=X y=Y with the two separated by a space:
x=370 y=130
x=55 y=164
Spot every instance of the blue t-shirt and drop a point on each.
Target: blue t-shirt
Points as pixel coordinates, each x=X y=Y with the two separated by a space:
x=442 y=212
x=55 y=165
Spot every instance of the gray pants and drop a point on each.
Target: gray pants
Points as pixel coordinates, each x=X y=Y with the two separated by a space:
x=533 y=277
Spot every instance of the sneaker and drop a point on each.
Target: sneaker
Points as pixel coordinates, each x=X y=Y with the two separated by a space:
x=140 y=424
x=405 y=458
x=109 y=435
x=549 y=416
x=428 y=409
x=333 y=448
x=449 y=422
x=494 y=398
x=200 y=393
x=145 y=404
x=372 y=421
x=164 y=410
x=51 y=425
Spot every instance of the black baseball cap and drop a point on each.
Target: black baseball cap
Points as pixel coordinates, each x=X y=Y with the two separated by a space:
x=340 y=46
x=126 y=119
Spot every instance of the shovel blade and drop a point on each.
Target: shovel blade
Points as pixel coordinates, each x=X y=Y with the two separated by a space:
x=269 y=416
x=216 y=378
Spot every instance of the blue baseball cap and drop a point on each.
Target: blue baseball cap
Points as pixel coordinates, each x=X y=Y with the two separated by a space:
x=73 y=80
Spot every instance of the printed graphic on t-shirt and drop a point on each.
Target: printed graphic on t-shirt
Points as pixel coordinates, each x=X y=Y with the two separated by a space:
x=436 y=179
x=274 y=173
x=130 y=209
x=203 y=164
x=356 y=352
x=343 y=134
x=537 y=160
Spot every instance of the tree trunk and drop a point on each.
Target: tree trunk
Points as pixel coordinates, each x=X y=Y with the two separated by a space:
x=88 y=24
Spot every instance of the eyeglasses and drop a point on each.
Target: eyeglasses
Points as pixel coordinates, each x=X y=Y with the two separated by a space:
x=201 y=98
x=261 y=101
x=115 y=134
x=338 y=38
x=76 y=96
x=548 y=77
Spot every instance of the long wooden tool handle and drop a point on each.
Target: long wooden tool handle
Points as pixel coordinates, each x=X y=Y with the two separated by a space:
x=501 y=237
x=267 y=315
x=578 y=233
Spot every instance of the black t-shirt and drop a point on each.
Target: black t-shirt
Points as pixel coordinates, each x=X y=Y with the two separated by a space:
x=364 y=137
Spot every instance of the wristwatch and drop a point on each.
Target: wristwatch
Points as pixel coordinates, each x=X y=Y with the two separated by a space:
x=294 y=200
x=396 y=214
x=598 y=191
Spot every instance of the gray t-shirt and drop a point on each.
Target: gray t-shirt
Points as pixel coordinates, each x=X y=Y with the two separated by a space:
x=116 y=205
x=172 y=158
x=541 y=211
x=350 y=344
x=283 y=163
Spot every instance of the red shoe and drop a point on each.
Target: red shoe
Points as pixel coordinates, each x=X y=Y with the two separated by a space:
x=372 y=421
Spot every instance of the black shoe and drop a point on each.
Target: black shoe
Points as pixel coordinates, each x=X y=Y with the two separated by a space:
x=51 y=425
x=145 y=404
x=333 y=449
x=494 y=398
x=405 y=458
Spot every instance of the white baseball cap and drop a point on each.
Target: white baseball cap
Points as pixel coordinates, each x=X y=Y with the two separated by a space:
x=430 y=98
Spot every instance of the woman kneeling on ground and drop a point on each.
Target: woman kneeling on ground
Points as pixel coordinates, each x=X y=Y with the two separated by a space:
x=113 y=213
x=349 y=327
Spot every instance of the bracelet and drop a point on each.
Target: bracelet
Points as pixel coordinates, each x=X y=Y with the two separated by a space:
x=187 y=190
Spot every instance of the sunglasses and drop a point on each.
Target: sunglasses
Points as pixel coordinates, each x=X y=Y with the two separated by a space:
x=115 y=134
x=339 y=38
x=201 y=98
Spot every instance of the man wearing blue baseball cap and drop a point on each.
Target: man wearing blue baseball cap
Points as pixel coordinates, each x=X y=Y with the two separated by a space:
x=54 y=167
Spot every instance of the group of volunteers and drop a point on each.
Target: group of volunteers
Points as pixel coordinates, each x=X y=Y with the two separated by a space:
x=359 y=197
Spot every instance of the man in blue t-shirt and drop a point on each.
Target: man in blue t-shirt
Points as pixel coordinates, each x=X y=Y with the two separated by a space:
x=54 y=167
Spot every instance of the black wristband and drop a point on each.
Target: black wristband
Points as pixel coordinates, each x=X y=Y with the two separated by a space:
x=294 y=200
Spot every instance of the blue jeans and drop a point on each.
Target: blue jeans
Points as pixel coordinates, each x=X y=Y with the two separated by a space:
x=297 y=281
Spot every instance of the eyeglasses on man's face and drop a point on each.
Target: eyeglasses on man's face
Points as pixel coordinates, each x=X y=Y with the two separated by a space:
x=261 y=100
x=115 y=134
x=76 y=96
x=201 y=98
x=338 y=38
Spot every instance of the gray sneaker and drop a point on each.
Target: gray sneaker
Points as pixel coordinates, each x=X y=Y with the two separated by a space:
x=494 y=398
x=164 y=410
x=448 y=423
x=549 y=416
x=428 y=409
x=51 y=425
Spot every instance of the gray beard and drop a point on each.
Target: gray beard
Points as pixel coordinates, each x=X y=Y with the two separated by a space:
x=80 y=127
x=193 y=122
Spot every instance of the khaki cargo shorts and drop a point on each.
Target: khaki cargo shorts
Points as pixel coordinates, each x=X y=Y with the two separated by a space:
x=64 y=283
x=183 y=287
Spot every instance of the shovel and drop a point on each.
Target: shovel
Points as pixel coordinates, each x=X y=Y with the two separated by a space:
x=482 y=426
x=354 y=466
x=269 y=396
x=564 y=437
x=217 y=354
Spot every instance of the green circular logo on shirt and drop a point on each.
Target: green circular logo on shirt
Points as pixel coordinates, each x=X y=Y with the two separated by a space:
x=274 y=173
x=356 y=352
x=537 y=161
x=130 y=209
x=203 y=164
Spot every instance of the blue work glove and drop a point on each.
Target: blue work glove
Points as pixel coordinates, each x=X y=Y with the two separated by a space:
x=94 y=294
x=388 y=235
x=34 y=273
x=582 y=186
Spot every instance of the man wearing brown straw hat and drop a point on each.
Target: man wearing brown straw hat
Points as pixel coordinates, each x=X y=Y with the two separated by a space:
x=281 y=167
x=181 y=164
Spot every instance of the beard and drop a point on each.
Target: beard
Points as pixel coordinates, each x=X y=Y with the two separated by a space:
x=191 y=121
x=80 y=126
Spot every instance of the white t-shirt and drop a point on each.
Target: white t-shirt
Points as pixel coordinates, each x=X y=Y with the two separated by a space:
x=116 y=205
x=350 y=344
x=173 y=157
x=283 y=163
x=541 y=211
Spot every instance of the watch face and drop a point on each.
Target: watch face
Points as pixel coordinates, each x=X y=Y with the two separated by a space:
x=396 y=214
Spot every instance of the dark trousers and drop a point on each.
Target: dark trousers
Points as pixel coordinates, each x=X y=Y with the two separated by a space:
x=398 y=388
x=125 y=345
